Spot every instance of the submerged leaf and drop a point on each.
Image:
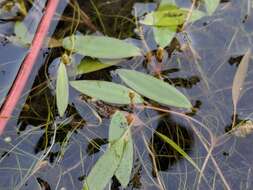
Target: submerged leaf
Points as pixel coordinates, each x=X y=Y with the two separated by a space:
x=100 y=47
x=154 y=88
x=107 y=91
x=89 y=65
x=22 y=34
x=105 y=167
x=239 y=78
x=62 y=89
x=211 y=5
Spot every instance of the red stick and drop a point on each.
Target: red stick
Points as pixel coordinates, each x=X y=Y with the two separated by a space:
x=27 y=66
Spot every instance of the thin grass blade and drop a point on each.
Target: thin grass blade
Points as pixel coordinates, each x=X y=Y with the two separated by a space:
x=178 y=149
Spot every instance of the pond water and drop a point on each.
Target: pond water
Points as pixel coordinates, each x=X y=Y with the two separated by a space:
x=40 y=150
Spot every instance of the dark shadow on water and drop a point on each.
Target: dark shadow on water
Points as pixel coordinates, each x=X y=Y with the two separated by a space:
x=165 y=155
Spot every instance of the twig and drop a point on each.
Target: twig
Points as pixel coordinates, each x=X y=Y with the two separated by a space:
x=189 y=14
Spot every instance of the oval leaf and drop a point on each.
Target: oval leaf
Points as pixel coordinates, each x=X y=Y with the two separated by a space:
x=107 y=91
x=100 y=47
x=62 y=89
x=154 y=88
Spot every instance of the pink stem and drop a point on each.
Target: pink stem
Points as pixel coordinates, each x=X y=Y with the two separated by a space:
x=27 y=65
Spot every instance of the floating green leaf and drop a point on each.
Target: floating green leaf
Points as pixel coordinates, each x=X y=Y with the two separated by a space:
x=117 y=159
x=89 y=65
x=123 y=173
x=105 y=167
x=107 y=91
x=118 y=127
x=101 y=47
x=154 y=88
x=165 y=18
x=167 y=15
x=163 y=35
x=178 y=149
x=62 y=89
x=211 y=5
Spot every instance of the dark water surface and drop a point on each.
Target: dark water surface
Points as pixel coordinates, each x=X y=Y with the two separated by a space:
x=39 y=149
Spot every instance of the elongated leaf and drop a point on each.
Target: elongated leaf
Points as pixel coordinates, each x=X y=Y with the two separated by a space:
x=107 y=91
x=123 y=173
x=105 y=167
x=89 y=65
x=239 y=78
x=178 y=149
x=211 y=5
x=154 y=88
x=111 y=161
x=101 y=47
x=163 y=35
x=62 y=89
x=118 y=127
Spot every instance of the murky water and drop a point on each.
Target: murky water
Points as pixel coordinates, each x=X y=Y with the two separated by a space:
x=41 y=149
